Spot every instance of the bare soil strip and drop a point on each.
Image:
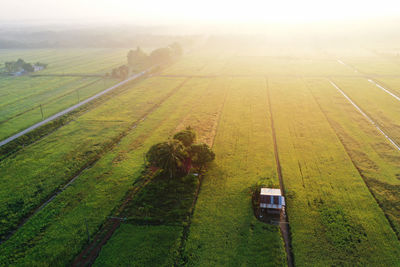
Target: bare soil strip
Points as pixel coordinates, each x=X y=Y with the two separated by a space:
x=115 y=142
x=284 y=220
x=397 y=146
x=88 y=256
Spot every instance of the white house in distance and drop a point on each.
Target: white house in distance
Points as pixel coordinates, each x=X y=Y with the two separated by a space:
x=272 y=200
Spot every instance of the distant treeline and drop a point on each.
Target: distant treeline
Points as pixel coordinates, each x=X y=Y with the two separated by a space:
x=49 y=36
x=139 y=60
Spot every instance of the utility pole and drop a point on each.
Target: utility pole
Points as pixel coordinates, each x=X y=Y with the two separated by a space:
x=77 y=91
x=41 y=111
x=87 y=231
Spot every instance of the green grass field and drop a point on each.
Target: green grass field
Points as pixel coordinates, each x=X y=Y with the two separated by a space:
x=22 y=96
x=329 y=205
x=374 y=157
x=341 y=175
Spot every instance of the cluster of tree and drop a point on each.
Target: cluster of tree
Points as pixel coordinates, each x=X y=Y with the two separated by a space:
x=21 y=66
x=138 y=59
x=178 y=156
x=121 y=72
x=157 y=56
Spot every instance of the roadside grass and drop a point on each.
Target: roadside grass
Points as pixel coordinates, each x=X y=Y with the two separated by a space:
x=375 y=158
x=380 y=106
x=334 y=220
x=45 y=166
x=23 y=113
x=224 y=230
x=21 y=96
x=56 y=234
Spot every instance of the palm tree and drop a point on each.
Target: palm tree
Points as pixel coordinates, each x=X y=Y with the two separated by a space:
x=168 y=156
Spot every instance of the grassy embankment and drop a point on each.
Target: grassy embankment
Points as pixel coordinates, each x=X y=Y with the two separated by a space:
x=333 y=217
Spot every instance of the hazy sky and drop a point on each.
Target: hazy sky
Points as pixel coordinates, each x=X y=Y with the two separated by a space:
x=204 y=11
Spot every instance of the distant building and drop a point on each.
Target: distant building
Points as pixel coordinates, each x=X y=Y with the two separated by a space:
x=37 y=68
x=272 y=200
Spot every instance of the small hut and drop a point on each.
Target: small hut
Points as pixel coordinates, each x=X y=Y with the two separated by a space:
x=271 y=200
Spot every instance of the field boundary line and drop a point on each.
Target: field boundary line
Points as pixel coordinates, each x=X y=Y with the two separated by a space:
x=284 y=219
x=354 y=164
x=115 y=141
x=397 y=146
x=76 y=106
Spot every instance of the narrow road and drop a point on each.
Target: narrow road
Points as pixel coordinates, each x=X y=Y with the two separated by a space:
x=384 y=89
x=397 y=146
x=371 y=80
x=61 y=113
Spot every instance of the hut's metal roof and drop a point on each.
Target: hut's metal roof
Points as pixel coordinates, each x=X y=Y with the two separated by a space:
x=271 y=192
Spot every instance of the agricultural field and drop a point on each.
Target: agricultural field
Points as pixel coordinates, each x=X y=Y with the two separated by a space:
x=224 y=230
x=341 y=175
x=26 y=100
x=52 y=170
x=328 y=203
x=374 y=157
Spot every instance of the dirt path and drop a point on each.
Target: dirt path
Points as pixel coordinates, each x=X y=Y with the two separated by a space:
x=397 y=146
x=92 y=250
x=284 y=220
